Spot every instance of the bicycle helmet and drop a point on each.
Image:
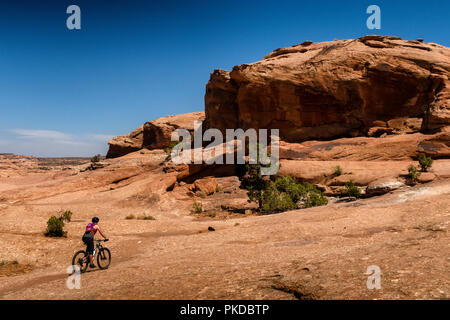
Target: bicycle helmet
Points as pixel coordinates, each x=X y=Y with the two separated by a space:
x=95 y=219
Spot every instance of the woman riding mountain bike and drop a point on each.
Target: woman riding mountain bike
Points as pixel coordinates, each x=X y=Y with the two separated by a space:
x=88 y=238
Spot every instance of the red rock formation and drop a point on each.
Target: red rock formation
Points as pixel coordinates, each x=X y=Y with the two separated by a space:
x=335 y=89
x=154 y=134
x=122 y=145
x=157 y=133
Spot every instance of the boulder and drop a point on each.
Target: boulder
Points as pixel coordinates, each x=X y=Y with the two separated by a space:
x=207 y=185
x=379 y=188
x=426 y=177
x=335 y=89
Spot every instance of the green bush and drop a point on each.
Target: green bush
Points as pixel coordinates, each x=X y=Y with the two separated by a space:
x=275 y=201
x=284 y=194
x=337 y=171
x=254 y=183
x=313 y=197
x=350 y=190
x=95 y=158
x=425 y=162
x=66 y=216
x=55 y=227
x=413 y=174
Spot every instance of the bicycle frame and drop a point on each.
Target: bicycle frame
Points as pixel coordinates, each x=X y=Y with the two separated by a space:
x=98 y=246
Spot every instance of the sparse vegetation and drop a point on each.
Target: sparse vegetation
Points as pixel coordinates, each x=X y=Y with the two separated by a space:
x=337 y=171
x=197 y=208
x=425 y=162
x=218 y=188
x=254 y=183
x=55 y=227
x=66 y=216
x=350 y=190
x=211 y=214
x=96 y=158
x=168 y=149
x=146 y=218
x=130 y=217
x=413 y=174
x=201 y=194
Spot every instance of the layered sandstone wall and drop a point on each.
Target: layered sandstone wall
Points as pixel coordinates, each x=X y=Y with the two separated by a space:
x=336 y=89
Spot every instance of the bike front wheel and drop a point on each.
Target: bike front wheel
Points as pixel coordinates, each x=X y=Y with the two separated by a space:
x=81 y=260
x=104 y=258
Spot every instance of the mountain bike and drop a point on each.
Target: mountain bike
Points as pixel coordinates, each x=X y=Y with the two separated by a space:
x=81 y=258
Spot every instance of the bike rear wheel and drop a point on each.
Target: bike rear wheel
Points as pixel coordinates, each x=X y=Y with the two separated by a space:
x=104 y=258
x=81 y=260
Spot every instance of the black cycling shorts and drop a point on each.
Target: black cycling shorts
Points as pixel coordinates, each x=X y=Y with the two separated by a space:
x=89 y=242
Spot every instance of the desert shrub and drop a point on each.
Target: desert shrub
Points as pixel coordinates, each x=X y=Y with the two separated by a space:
x=55 y=227
x=169 y=148
x=274 y=200
x=130 y=217
x=211 y=214
x=350 y=190
x=66 y=216
x=197 y=207
x=285 y=194
x=337 y=171
x=146 y=218
x=95 y=158
x=283 y=184
x=201 y=194
x=218 y=189
x=413 y=174
x=254 y=183
x=425 y=162
x=313 y=197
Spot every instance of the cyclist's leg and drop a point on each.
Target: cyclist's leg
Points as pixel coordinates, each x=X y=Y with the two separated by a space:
x=90 y=249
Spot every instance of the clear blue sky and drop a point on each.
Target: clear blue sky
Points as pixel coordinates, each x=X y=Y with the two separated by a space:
x=65 y=93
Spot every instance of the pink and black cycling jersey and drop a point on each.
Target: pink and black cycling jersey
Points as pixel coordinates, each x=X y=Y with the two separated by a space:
x=90 y=228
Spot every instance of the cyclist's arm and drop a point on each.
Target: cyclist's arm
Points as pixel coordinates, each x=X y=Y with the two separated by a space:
x=100 y=230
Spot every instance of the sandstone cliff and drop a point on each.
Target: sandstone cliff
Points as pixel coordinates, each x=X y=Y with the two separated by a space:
x=363 y=87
